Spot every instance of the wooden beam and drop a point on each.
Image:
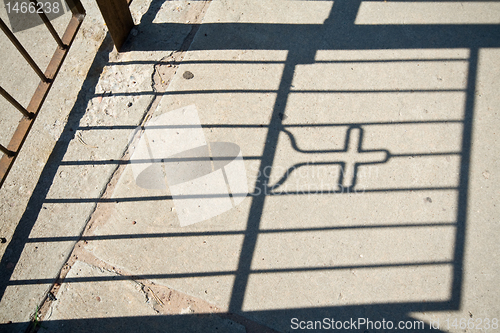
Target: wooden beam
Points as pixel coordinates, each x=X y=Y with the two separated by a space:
x=118 y=19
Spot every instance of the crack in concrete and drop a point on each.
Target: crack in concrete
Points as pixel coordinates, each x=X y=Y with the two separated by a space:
x=162 y=299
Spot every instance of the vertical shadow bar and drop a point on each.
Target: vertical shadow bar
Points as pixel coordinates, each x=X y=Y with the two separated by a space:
x=262 y=188
x=342 y=13
x=458 y=256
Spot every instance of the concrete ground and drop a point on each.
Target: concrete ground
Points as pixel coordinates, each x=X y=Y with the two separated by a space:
x=360 y=182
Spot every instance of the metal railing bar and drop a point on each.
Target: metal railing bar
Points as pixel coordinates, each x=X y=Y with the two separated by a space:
x=6 y=151
x=23 y=51
x=76 y=8
x=39 y=96
x=15 y=103
x=49 y=25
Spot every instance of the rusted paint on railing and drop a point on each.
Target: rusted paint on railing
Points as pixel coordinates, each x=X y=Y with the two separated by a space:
x=12 y=150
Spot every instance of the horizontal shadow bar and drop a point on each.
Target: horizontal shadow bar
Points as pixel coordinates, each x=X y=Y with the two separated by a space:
x=271 y=91
x=268 y=62
x=235 y=232
x=246 y=158
x=410 y=122
x=394 y=312
x=335 y=36
x=195 y=196
x=445 y=153
x=158 y=160
x=223 y=273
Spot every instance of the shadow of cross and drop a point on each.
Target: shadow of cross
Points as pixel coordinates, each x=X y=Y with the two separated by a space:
x=353 y=156
x=349 y=158
x=340 y=32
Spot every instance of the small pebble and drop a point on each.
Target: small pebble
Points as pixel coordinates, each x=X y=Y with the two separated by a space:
x=188 y=75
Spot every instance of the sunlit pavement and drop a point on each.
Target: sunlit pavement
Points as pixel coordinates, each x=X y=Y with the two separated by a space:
x=368 y=135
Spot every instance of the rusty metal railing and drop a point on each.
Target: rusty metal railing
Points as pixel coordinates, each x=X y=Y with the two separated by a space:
x=47 y=78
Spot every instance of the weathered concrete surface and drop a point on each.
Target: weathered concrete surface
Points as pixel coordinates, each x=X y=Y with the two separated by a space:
x=307 y=89
x=111 y=298
x=107 y=303
x=391 y=246
x=43 y=260
x=50 y=193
